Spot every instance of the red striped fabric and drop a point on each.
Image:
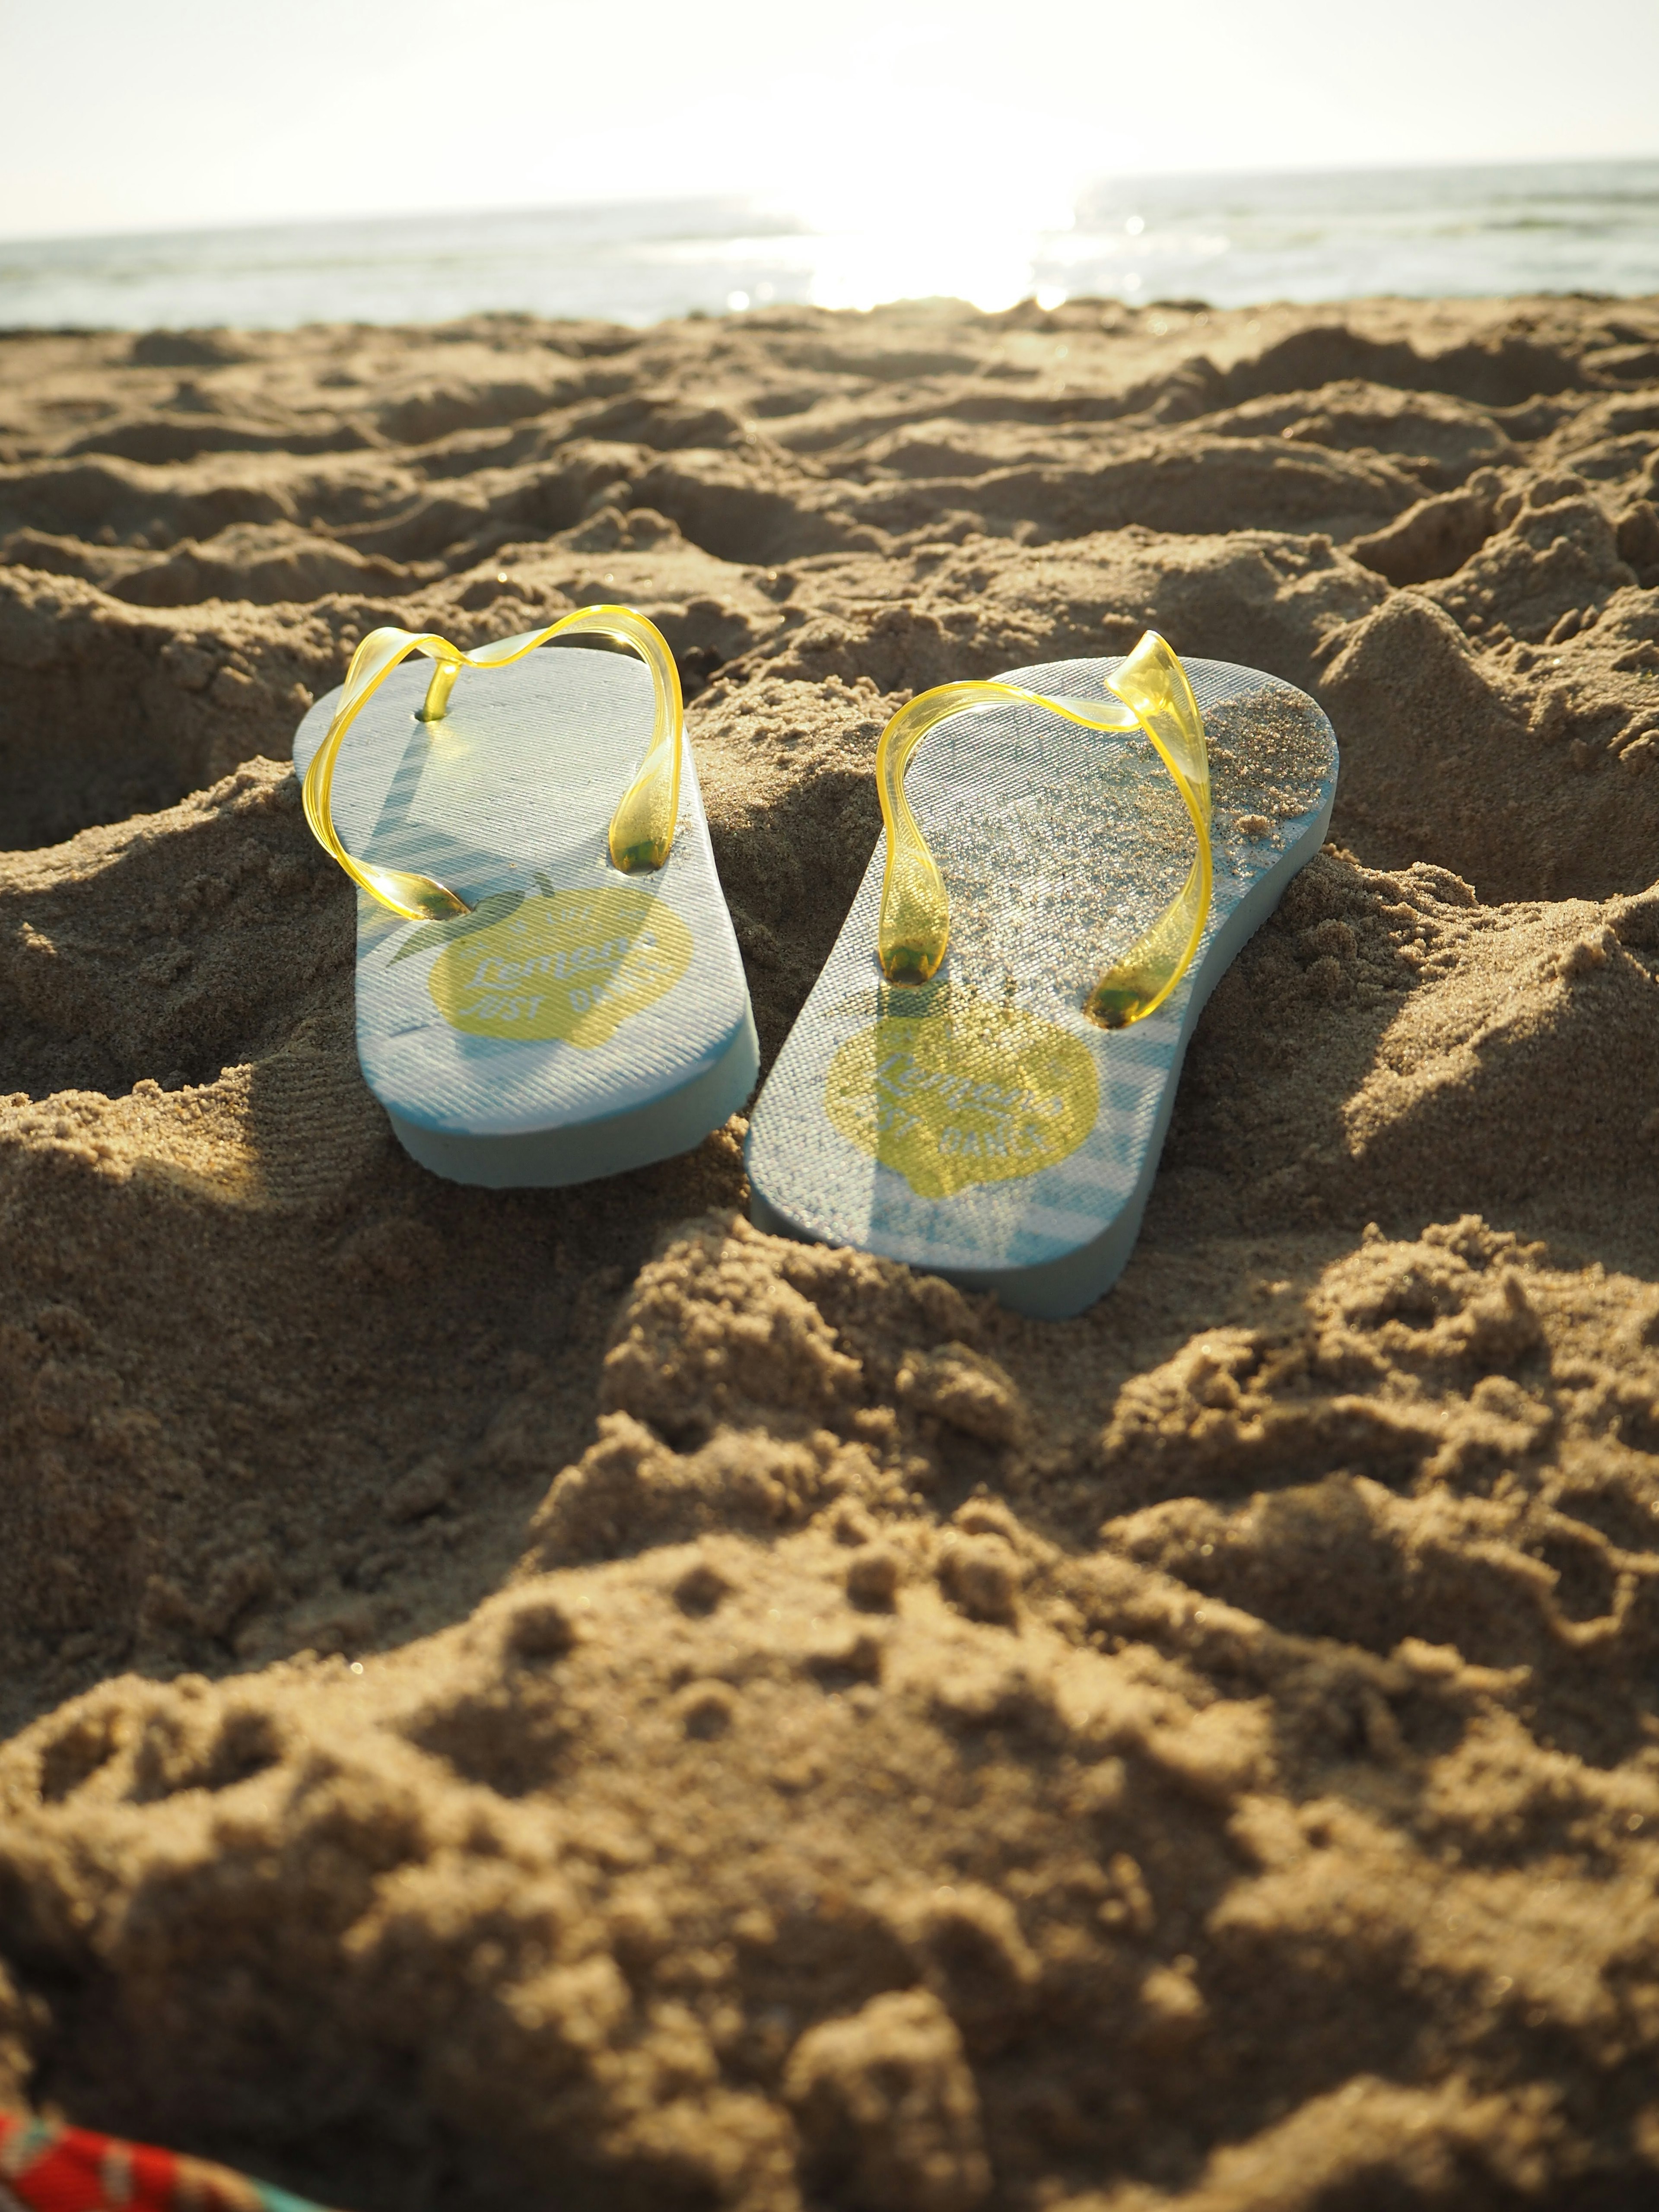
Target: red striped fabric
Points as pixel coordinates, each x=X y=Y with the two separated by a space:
x=45 y=2167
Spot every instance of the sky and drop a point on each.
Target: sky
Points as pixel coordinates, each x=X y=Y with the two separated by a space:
x=188 y=114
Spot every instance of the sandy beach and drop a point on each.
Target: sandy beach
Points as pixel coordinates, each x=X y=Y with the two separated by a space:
x=560 y=1699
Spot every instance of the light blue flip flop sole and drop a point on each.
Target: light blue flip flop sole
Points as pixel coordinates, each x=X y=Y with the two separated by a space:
x=1020 y=1158
x=580 y=1021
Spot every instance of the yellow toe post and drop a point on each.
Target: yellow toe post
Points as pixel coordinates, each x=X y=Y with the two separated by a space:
x=435 y=705
x=915 y=928
x=641 y=829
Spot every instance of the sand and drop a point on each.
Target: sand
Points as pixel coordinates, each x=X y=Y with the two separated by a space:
x=560 y=1699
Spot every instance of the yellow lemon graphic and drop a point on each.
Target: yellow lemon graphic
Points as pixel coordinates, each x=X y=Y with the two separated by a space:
x=969 y=1092
x=570 y=964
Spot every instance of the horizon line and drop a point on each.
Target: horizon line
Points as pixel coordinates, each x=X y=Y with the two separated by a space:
x=772 y=199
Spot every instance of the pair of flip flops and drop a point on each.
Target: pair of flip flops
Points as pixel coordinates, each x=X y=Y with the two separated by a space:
x=549 y=988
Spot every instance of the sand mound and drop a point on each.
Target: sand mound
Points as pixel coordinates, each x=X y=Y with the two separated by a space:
x=560 y=1699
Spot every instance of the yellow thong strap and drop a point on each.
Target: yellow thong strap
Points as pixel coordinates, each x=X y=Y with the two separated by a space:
x=642 y=827
x=915 y=928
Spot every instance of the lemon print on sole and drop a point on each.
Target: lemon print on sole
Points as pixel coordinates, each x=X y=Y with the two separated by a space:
x=572 y=964
x=970 y=1092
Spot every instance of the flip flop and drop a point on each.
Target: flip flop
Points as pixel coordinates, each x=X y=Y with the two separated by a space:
x=979 y=1081
x=549 y=988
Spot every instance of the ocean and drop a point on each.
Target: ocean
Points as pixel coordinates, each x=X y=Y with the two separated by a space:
x=1228 y=240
